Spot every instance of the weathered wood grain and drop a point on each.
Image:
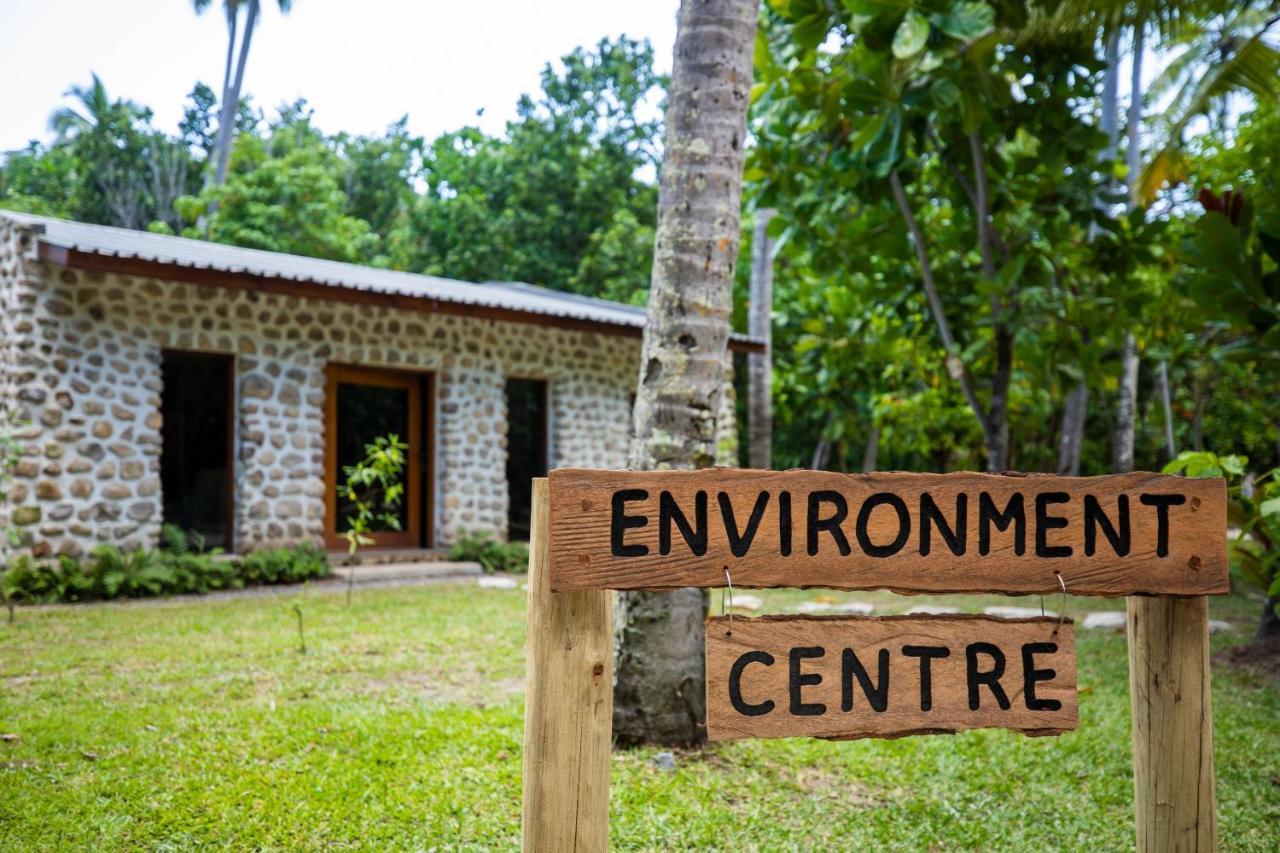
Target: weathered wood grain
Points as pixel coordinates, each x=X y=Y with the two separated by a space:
x=784 y=676
x=867 y=531
x=1173 y=776
x=568 y=708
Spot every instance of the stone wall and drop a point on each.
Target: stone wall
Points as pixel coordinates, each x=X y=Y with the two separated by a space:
x=81 y=362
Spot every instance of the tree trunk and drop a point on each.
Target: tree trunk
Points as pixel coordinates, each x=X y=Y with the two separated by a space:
x=1170 y=447
x=760 y=364
x=1110 y=119
x=1127 y=405
x=224 y=124
x=1071 y=441
x=659 y=687
x=994 y=424
x=822 y=449
x=871 y=455
x=1133 y=156
x=1270 y=625
x=1197 y=414
x=1126 y=408
x=231 y=105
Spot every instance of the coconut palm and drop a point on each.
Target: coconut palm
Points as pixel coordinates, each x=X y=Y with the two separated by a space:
x=233 y=75
x=1237 y=52
x=94 y=109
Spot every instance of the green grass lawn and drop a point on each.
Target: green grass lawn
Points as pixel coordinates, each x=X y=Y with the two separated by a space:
x=185 y=724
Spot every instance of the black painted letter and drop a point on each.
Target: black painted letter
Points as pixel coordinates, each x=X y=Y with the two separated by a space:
x=1030 y=675
x=620 y=523
x=926 y=654
x=864 y=516
x=747 y=709
x=991 y=677
x=784 y=524
x=1094 y=518
x=1046 y=522
x=740 y=543
x=955 y=537
x=1012 y=512
x=1162 y=504
x=851 y=667
x=831 y=525
x=668 y=512
x=798 y=680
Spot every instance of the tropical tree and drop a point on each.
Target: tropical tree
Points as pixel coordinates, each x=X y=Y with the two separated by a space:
x=123 y=171
x=1216 y=58
x=285 y=194
x=562 y=199
x=660 y=679
x=233 y=75
x=93 y=110
x=956 y=130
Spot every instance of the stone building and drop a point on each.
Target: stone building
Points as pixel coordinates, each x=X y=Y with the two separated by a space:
x=156 y=379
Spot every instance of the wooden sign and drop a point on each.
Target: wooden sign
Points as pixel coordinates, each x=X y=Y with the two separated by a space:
x=846 y=677
x=1127 y=534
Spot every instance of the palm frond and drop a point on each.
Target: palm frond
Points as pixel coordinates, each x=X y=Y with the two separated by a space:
x=1254 y=68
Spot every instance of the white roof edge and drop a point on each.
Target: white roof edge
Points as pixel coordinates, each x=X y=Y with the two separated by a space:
x=125 y=244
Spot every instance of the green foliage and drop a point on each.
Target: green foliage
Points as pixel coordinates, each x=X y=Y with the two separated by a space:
x=1254 y=510
x=107 y=164
x=960 y=103
x=283 y=565
x=563 y=198
x=284 y=193
x=493 y=556
x=373 y=490
x=177 y=569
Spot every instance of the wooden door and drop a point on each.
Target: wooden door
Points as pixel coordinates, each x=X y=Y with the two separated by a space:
x=362 y=404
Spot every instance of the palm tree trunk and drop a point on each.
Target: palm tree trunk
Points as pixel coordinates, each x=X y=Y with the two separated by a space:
x=1110 y=119
x=1133 y=156
x=231 y=105
x=660 y=679
x=226 y=111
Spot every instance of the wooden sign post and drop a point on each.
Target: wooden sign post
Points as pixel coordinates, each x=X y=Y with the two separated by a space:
x=1125 y=535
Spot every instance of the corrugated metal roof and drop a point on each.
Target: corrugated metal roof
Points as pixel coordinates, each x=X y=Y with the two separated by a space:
x=107 y=241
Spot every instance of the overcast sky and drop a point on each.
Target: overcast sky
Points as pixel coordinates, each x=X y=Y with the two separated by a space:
x=361 y=65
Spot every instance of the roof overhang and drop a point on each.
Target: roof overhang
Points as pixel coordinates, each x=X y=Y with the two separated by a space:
x=77 y=259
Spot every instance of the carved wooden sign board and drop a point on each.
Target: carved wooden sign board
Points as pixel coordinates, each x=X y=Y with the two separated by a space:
x=850 y=677
x=1127 y=534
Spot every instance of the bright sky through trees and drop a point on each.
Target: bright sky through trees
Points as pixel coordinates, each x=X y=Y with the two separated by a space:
x=361 y=66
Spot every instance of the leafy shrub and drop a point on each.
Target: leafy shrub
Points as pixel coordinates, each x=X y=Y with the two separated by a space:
x=1255 y=553
x=493 y=556
x=284 y=565
x=179 y=568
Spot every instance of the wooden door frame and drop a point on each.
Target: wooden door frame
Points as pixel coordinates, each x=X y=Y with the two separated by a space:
x=420 y=386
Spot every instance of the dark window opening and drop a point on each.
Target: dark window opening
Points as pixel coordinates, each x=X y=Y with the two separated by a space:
x=526 y=450
x=195 y=452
